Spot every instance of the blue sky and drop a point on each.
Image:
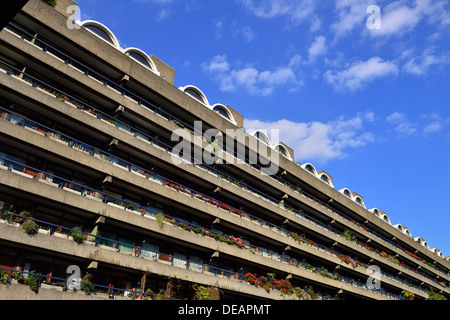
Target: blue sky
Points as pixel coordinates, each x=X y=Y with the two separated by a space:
x=369 y=106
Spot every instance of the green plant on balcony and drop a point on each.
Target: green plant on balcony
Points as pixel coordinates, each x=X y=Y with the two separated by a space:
x=33 y=281
x=435 y=296
x=86 y=284
x=21 y=220
x=389 y=257
x=311 y=293
x=18 y=276
x=77 y=235
x=160 y=219
x=4 y=277
x=323 y=272
x=348 y=235
x=30 y=227
x=201 y=292
x=6 y=215
x=51 y=3
x=301 y=294
x=408 y=295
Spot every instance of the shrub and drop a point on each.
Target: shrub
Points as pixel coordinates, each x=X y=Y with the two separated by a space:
x=51 y=3
x=4 y=277
x=160 y=218
x=349 y=236
x=201 y=292
x=76 y=234
x=435 y=296
x=19 y=277
x=21 y=220
x=33 y=281
x=6 y=215
x=30 y=227
x=409 y=295
x=311 y=293
x=86 y=284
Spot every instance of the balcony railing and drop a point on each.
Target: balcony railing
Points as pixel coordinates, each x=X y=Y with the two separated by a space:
x=98 y=288
x=160 y=111
x=174 y=260
x=137 y=133
x=84 y=190
x=167 y=115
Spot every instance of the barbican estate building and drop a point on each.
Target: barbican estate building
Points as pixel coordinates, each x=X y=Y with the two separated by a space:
x=87 y=179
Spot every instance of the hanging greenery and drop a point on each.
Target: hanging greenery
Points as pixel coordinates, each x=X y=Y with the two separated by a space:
x=51 y=3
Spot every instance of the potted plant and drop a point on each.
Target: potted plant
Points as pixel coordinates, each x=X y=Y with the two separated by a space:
x=33 y=281
x=30 y=227
x=77 y=235
x=86 y=284
x=159 y=218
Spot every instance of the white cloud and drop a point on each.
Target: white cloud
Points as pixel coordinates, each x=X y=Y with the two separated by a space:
x=218 y=64
x=218 y=27
x=401 y=16
x=433 y=127
x=425 y=124
x=317 y=49
x=350 y=13
x=360 y=73
x=433 y=123
x=322 y=142
x=401 y=124
x=251 y=79
x=421 y=65
x=296 y=11
x=246 y=32
x=397 y=17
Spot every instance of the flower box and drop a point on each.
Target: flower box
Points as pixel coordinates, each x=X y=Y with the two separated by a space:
x=60 y=235
x=43 y=231
x=22 y=174
x=115 y=205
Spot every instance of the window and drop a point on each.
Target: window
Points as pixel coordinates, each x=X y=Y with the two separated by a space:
x=325 y=179
x=139 y=58
x=222 y=112
x=347 y=193
x=310 y=169
x=261 y=136
x=194 y=94
x=281 y=150
x=100 y=33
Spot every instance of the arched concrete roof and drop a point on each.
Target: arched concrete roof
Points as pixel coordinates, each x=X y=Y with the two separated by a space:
x=325 y=178
x=229 y=116
x=103 y=28
x=202 y=97
x=259 y=134
x=144 y=56
x=311 y=167
x=283 y=150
